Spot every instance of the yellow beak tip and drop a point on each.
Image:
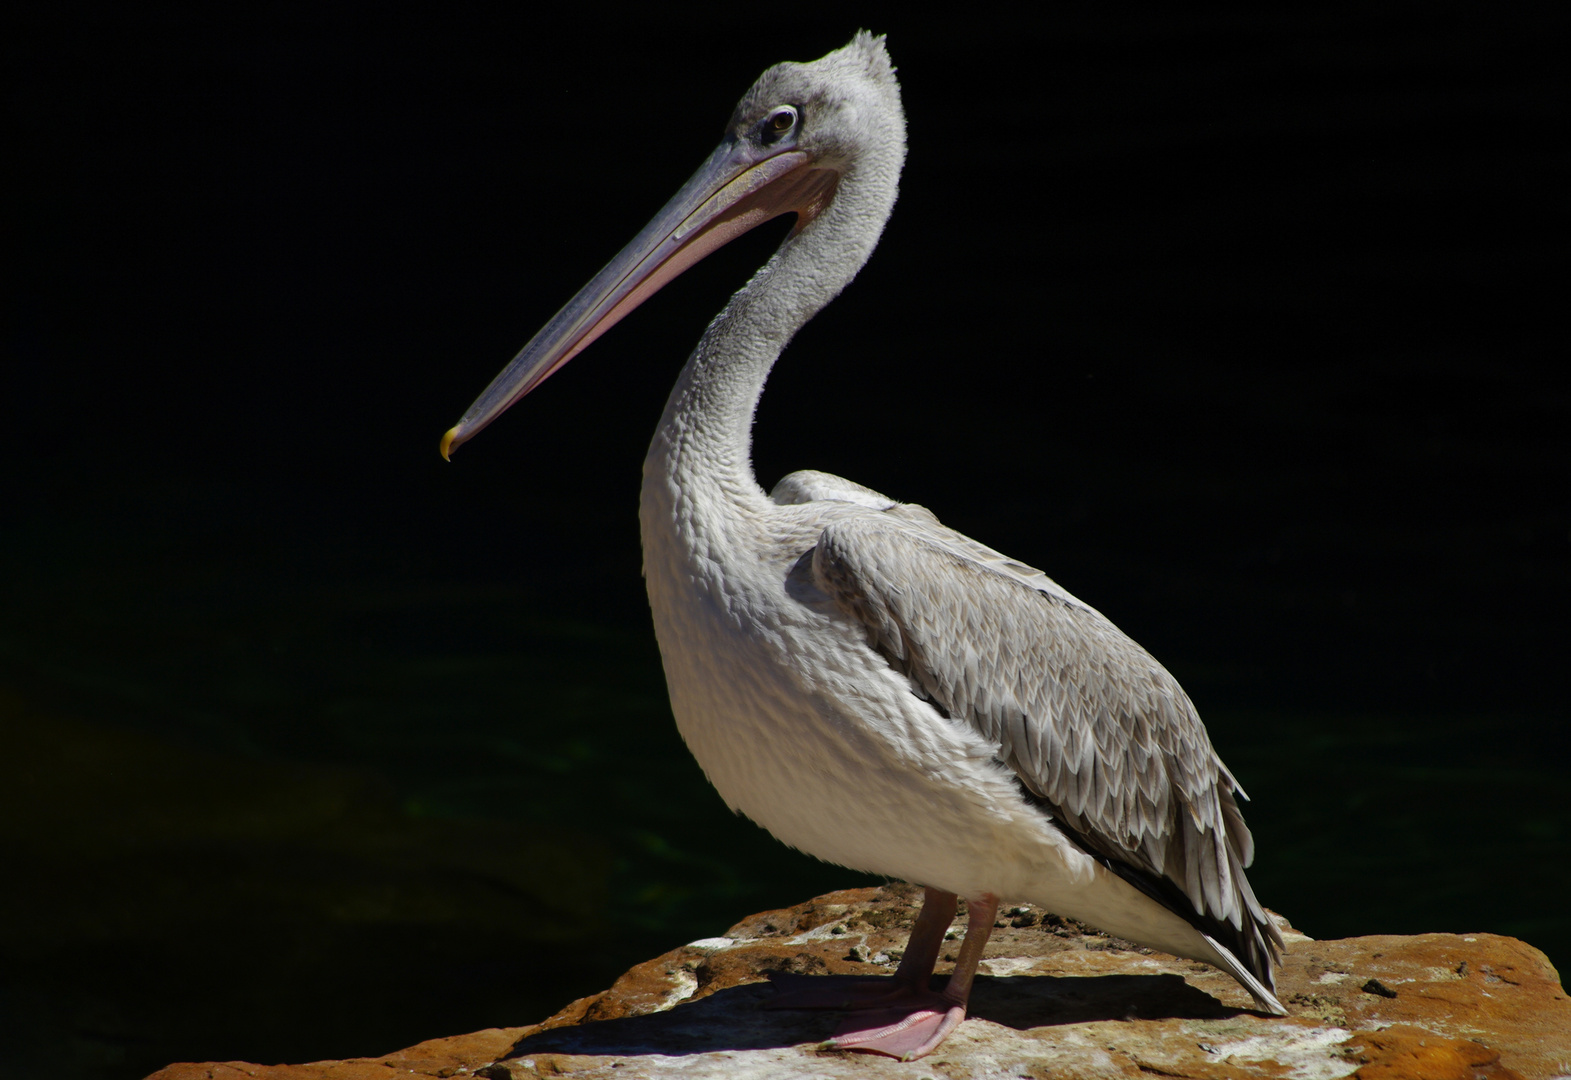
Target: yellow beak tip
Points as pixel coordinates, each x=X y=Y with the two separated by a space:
x=447 y=443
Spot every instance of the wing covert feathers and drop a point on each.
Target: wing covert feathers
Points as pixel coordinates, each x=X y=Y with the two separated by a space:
x=1098 y=733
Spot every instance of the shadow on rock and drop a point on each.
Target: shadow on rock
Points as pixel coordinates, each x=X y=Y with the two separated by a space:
x=1032 y=1001
x=732 y=1019
x=737 y=1019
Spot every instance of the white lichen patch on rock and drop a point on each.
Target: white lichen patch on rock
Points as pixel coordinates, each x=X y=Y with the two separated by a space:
x=1003 y=966
x=684 y=986
x=711 y=943
x=834 y=929
x=1306 y=1053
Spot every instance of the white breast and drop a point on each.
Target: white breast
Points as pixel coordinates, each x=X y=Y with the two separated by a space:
x=807 y=731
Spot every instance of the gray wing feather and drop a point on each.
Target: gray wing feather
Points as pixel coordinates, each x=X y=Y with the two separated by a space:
x=1095 y=728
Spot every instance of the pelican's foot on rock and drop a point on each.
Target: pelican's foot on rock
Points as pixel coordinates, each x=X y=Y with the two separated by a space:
x=907 y=1032
x=841 y=991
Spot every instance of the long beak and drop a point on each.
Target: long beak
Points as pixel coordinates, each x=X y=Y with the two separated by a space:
x=739 y=187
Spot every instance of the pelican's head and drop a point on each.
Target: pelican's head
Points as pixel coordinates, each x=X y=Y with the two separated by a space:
x=793 y=139
x=841 y=109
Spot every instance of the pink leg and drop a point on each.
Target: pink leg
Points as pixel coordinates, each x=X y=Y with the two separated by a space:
x=916 y=1026
x=876 y=991
x=927 y=937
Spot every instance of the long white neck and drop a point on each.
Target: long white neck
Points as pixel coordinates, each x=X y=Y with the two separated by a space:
x=704 y=442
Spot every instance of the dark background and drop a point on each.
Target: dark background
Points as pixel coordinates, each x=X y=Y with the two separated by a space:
x=1248 y=327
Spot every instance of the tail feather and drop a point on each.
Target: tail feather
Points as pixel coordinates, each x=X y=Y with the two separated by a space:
x=1234 y=967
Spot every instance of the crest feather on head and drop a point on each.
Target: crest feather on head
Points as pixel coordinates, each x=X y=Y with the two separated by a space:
x=870 y=48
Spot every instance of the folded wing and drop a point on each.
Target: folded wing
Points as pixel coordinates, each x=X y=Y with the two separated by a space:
x=1100 y=736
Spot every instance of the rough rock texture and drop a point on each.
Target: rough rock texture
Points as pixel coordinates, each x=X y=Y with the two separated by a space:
x=1054 y=1000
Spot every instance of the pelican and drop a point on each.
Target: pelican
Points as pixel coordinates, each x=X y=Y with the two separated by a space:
x=870 y=686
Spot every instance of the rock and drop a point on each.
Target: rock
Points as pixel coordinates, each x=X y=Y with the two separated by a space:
x=1054 y=999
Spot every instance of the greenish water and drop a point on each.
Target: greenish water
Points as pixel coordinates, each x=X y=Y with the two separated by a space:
x=241 y=804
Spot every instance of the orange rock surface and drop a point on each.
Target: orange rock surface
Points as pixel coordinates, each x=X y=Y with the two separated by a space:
x=1054 y=1000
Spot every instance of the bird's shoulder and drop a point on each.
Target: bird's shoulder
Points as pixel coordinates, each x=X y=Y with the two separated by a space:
x=809 y=486
x=901 y=524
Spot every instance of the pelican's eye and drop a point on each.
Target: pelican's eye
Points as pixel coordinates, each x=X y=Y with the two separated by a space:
x=779 y=123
